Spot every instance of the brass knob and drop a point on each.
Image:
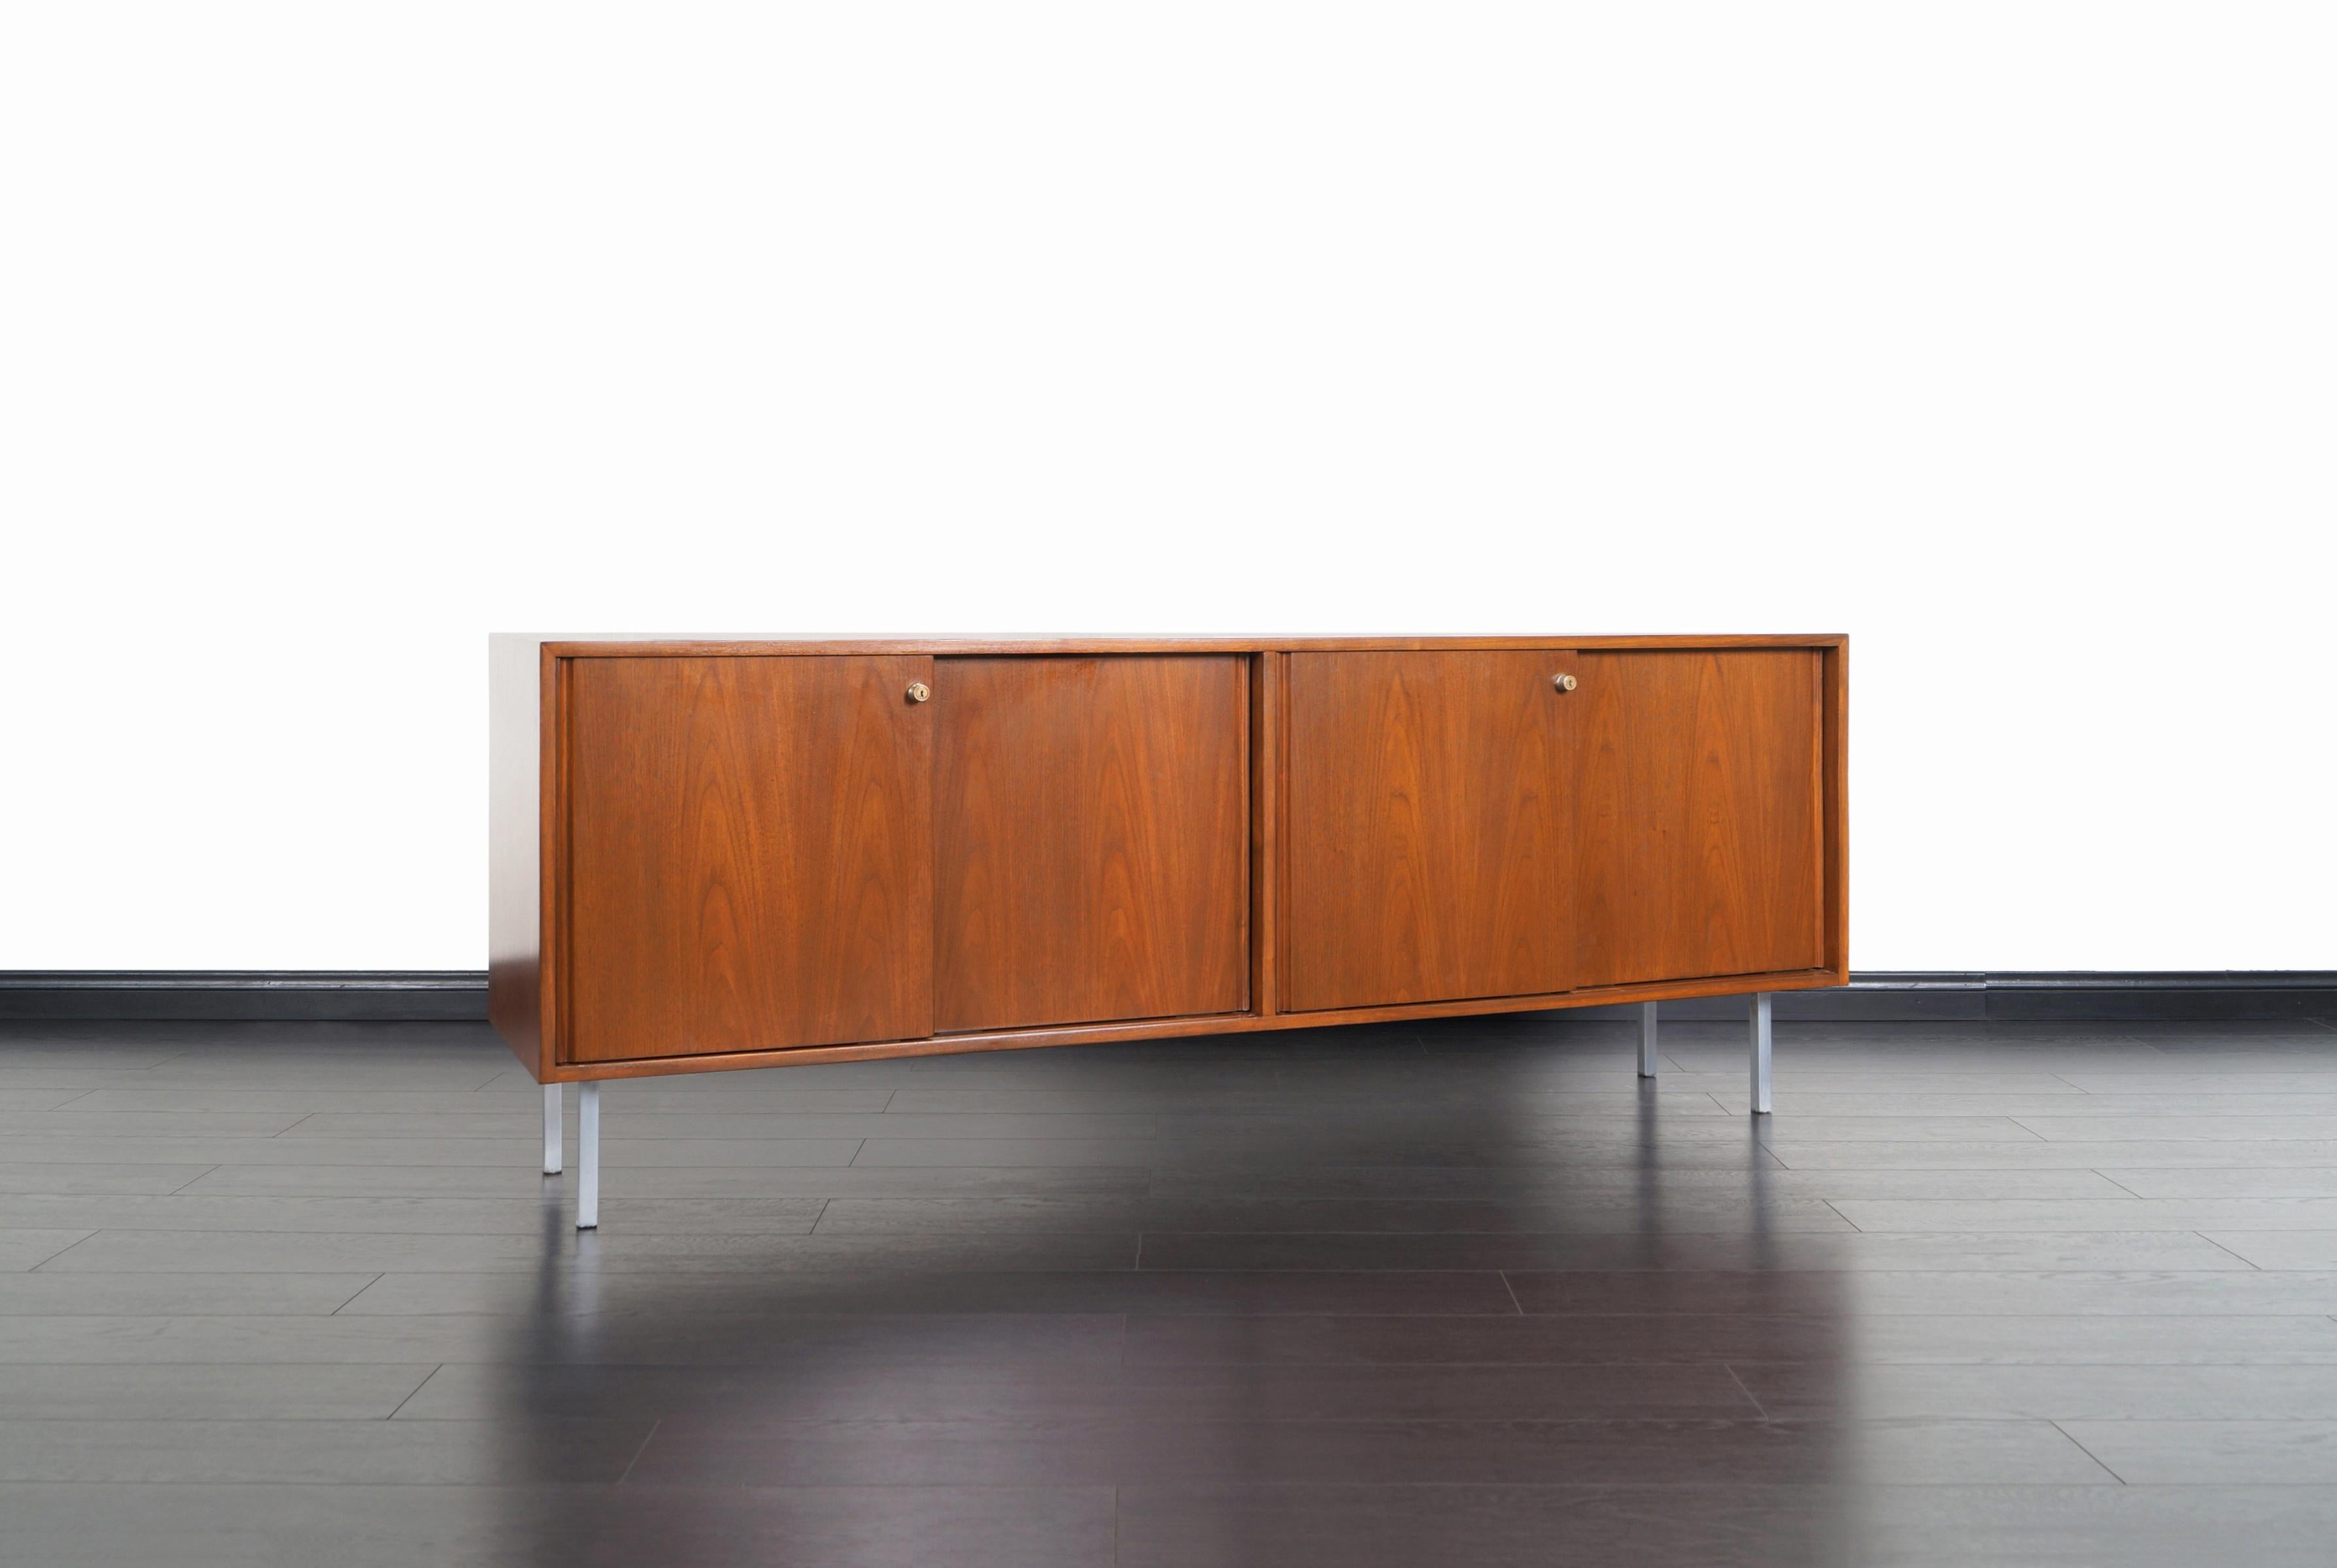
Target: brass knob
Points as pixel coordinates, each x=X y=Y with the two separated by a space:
x=919 y=690
x=1563 y=683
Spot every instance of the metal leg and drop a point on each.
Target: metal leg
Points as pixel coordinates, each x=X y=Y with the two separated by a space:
x=1647 y=1039
x=1759 y=1016
x=552 y=1129
x=588 y=1156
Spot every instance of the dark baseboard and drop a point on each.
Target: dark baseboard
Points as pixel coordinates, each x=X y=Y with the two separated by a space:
x=296 y=996
x=2061 y=996
x=460 y=996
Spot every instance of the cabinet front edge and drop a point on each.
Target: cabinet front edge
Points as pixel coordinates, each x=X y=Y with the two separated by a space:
x=1174 y=1028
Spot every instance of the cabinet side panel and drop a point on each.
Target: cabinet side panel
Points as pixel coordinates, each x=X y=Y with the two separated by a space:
x=1834 y=691
x=514 y=838
x=1698 y=837
x=1092 y=835
x=1427 y=822
x=749 y=855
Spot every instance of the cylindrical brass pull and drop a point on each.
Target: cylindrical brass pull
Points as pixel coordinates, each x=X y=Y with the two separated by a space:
x=919 y=690
x=1563 y=683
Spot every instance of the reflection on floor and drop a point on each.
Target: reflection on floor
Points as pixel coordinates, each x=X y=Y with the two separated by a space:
x=1467 y=1292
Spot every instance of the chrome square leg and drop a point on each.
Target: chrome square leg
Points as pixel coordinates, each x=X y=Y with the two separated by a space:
x=1647 y=1039
x=552 y=1129
x=588 y=1156
x=1759 y=1018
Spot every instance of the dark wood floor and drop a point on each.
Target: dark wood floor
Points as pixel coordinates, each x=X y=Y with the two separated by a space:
x=1461 y=1293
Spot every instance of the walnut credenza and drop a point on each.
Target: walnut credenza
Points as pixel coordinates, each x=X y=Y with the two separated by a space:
x=756 y=852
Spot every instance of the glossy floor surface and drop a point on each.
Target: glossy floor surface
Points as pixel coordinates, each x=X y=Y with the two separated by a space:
x=1467 y=1292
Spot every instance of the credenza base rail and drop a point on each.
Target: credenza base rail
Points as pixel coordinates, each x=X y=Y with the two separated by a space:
x=588 y=1105
x=1644 y=995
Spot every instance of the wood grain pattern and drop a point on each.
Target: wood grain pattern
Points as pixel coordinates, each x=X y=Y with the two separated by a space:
x=1264 y=832
x=1697 y=836
x=1091 y=823
x=749 y=855
x=544 y=751
x=1427 y=825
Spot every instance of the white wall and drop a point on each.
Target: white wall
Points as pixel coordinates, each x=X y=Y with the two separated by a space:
x=2002 y=336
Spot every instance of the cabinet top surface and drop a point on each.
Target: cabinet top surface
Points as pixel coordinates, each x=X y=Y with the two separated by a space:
x=604 y=644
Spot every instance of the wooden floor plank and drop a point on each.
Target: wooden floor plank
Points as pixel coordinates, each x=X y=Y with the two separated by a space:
x=1463 y=1291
